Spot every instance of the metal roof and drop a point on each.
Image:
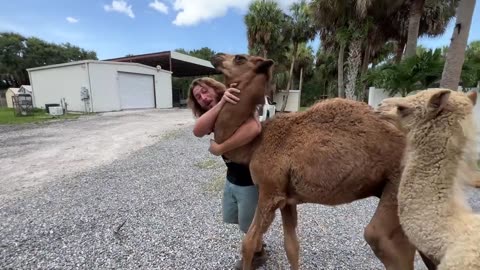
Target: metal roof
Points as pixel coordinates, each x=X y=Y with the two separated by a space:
x=80 y=62
x=181 y=65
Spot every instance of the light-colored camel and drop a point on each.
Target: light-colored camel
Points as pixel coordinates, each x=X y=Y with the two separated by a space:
x=336 y=152
x=438 y=163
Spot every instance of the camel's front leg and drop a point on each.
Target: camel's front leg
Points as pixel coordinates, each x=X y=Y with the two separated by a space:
x=289 y=219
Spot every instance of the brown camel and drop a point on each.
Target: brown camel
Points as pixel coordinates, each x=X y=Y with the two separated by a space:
x=336 y=152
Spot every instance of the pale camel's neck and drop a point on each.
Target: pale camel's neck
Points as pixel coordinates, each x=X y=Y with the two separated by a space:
x=429 y=196
x=431 y=169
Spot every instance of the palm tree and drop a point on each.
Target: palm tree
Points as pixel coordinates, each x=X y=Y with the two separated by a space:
x=304 y=63
x=348 y=22
x=264 y=22
x=302 y=30
x=414 y=73
x=331 y=19
x=325 y=72
x=456 y=52
x=435 y=17
x=416 y=11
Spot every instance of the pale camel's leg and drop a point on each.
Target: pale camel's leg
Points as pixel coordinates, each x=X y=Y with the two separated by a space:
x=264 y=215
x=475 y=179
x=427 y=261
x=385 y=235
x=289 y=220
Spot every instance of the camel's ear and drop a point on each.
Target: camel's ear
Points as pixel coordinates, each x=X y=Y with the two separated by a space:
x=472 y=95
x=264 y=65
x=439 y=100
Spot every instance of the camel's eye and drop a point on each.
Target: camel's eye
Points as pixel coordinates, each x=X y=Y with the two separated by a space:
x=403 y=110
x=239 y=58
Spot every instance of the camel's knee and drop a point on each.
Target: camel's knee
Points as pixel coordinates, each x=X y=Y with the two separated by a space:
x=391 y=247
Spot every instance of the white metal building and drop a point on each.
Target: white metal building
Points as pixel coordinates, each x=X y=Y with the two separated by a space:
x=181 y=65
x=131 y=82
x=107 y=86
x=293 y=102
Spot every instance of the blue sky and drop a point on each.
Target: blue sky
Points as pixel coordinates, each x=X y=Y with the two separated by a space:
x=119 y=27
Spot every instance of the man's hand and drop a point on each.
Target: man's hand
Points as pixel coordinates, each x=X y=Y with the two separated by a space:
x=215 y=148
x=230 y=94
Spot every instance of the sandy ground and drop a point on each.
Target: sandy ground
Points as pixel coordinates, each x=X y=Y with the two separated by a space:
x=34 y=154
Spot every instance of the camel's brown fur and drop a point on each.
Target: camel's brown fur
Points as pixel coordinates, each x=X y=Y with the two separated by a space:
x=440 y=149
x=336 y=152
x=251 y=76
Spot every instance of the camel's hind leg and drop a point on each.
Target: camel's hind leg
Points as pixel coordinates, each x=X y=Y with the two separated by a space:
x=263 y=218
x=289 y=219
x=385 y=235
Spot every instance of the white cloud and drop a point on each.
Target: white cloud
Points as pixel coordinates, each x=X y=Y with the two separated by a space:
x=121 y=7
x=285 y=4
x=72 y=20
x=191 y=12
x=159 y=6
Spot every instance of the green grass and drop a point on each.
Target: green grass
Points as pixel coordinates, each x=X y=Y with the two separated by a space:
x=7 y=116
x=208 y=164
x=303 y=109
x=216 y=185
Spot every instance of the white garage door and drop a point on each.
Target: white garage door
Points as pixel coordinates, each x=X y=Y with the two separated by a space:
x=136 y=91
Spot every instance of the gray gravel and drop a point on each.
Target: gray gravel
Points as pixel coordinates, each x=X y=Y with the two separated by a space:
x=168 y=198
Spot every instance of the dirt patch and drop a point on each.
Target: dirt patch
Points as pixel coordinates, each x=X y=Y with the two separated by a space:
x=34 y=154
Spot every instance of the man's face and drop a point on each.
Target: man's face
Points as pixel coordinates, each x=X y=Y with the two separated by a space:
x=205 y=96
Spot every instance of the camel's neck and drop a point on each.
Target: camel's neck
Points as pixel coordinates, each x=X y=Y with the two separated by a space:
x=232 y=116
x=429 y=195
x=431 y=170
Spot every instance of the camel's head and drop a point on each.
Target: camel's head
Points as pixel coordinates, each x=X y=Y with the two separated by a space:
x=251 y=73
x=415 y=111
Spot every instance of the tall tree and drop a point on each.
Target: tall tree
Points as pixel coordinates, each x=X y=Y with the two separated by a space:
x=456 y=52
x=304 y=63
x=17 y=53
x=417 y=18
x=416 y=11
x=471 y=67
x=350 y=22
x=302 y=30
x=331 y=19
x=414 y=73
x=264 y=21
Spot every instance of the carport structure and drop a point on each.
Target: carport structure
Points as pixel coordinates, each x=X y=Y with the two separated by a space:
x=181 y=65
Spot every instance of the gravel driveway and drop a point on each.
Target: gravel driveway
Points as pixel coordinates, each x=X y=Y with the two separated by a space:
x=33 y=154
x=159 y=207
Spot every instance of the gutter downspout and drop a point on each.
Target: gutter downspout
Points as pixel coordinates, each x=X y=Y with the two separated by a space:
x=90 y=87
